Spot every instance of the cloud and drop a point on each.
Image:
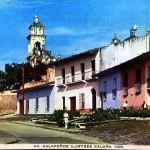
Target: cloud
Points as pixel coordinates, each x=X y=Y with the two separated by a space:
x=63 y=30
x=29 y=3
x=24 y=3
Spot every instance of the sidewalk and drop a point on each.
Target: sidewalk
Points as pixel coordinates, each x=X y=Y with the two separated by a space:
x=52 y=127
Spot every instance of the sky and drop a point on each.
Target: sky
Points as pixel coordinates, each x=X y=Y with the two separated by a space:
x=71 y=26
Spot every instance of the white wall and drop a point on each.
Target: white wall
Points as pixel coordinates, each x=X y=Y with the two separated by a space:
x=128 y=49
x=75 y=90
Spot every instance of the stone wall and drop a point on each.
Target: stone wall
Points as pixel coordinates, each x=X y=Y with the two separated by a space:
x=8 y=102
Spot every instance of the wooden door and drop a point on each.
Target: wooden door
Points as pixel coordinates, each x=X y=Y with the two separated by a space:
x=21 y=111
x=72 y=103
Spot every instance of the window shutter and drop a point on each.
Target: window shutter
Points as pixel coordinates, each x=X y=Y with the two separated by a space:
x=83 y=101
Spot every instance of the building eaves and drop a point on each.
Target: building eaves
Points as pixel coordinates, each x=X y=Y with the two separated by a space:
x=93 y=51
x=141 y=58
x=38 y=86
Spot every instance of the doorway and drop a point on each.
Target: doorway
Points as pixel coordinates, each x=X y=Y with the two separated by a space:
x=21 y=111
x=72 y=103
x=93 y=98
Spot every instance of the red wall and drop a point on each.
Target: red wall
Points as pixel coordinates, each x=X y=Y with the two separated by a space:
x=134 y=100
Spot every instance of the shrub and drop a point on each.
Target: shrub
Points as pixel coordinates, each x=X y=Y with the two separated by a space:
x=61 y=123
x=73 y=114
x=135 y=113
x=57 y=115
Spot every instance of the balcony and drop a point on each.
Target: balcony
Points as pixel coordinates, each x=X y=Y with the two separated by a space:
x=80 y=78
x=89 y=74
x=148 y=83
x=77 y=78
x=138 y=88
x=125 y=91
x=60 y=82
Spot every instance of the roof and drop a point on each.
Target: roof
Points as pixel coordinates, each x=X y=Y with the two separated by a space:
x=130 y=37
x=93 y=51
x=38 y=87
x=141 y=58
x=38 y=24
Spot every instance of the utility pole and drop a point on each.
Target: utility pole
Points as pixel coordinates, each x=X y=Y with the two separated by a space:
x=22 y=88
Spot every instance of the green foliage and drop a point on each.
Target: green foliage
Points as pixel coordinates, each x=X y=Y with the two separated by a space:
x=12 y=77
x=57 y=115
x=2 y=81
x=135 y=113
x=102 y=115
x=73 y=114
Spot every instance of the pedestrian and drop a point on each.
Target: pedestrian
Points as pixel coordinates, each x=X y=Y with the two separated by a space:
x=66 y=116
x=144 y=105
x=125 y=105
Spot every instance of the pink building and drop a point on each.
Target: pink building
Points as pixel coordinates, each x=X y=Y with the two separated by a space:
x=135 y=81
x=76 y=89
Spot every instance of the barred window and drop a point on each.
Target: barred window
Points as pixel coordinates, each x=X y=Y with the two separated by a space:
x=47 y=102
x=105 y=90
x=114 y=83
x=81 y=101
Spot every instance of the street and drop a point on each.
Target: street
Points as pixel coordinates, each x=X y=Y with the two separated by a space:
x=11 y=133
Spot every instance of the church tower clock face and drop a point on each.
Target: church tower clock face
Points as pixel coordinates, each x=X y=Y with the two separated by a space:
x=36 y=44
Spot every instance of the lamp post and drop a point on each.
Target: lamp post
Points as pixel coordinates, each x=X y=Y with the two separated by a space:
x=147 y=31
x=135 y=28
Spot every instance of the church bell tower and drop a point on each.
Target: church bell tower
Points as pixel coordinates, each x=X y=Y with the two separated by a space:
x=36 y=38
x=36 y=45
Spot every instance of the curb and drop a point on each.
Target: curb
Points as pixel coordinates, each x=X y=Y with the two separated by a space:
x=35 y=125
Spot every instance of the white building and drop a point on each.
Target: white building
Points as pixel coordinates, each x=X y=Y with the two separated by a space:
x=76 y=89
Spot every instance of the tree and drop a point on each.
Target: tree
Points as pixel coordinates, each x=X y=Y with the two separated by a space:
x=12 y=77
x=2 y=81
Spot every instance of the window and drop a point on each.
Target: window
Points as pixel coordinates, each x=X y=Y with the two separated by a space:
x=138 y=76
x=93 y=66
x=63 y=103
x=47 y=103
x=125 y=80
x=105 y=86
x=114 y=83
x=72 y=73
x=114 y=90
x=27 y=104
x=148 y=79
x=138 y=81
x=148 y=71
x=37 y=104
x=63 y=75
x=82 y=71
x=81 y=101
x=105 y=90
